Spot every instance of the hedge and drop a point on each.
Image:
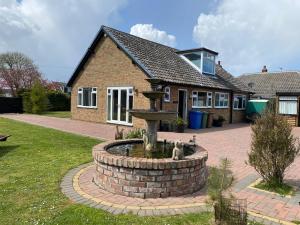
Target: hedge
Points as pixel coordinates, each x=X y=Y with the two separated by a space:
x=58 y=101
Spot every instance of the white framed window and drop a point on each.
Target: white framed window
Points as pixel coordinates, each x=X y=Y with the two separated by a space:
x=239 y=102
x=167 y=96
x=288 y=105
x=201 y=99
x=221 y=100
x=87 y=97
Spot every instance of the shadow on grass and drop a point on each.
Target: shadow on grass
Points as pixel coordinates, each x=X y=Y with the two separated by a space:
x=6 y=149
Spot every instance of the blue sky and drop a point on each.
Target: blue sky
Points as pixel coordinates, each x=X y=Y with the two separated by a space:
x=247 y=34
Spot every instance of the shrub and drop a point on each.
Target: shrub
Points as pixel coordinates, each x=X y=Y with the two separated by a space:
x=58 y=101
x=228 y=210
x=136 y=133
x=273 y=147
x=38 y=97
x=220 y=180
x=180 y=122
x=27 y=104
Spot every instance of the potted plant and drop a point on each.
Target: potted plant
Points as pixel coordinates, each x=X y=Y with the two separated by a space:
x=180 y=125
x=219 y=122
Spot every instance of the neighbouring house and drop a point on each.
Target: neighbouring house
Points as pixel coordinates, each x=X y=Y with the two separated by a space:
x=110 y=79
x=5 y=91
x=283 y=86
x=58 y=86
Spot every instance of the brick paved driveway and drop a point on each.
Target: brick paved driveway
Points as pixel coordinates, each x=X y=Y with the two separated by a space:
x=232 y=141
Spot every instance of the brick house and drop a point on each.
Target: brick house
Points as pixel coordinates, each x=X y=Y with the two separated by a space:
x=111 y=76
x=283 y=86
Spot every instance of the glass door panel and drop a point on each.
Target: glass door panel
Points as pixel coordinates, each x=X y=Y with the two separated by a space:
x=115 y=108
x=123 y=105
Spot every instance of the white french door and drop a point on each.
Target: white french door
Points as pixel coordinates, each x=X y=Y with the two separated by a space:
x=119 y=101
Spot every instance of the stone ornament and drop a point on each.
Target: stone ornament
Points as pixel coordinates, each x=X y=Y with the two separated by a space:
x=178 y=151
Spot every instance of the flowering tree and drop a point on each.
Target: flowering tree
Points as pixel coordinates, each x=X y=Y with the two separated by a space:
x=18 y=71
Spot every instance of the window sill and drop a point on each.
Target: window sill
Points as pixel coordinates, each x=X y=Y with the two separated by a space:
x=87 y=107
x=167 y=101
x=239 y=109
x=120 y=123
x=221 y=107
x=200 y=107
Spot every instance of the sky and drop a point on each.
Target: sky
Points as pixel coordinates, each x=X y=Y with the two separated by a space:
x=247 y=34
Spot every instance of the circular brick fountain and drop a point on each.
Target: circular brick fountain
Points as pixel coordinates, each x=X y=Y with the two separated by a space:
x=148 y=178
x=154 y=172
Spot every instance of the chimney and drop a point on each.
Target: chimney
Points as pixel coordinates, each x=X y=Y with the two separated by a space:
x=219 y=63
x=264 y=69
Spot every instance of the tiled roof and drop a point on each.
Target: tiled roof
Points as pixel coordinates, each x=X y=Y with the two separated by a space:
x=265 y=85
x=163 y=62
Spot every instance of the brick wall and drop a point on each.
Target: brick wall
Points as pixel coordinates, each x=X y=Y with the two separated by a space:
x=109 y=66
x=238 y=115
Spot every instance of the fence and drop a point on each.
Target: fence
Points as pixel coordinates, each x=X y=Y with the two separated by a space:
x=11 y=105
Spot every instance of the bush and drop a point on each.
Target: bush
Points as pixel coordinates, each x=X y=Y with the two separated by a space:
x=220 y=180
x=27 y=104
x=38 y=98
x=228 y=210
x=58 y=101
x=136 y=133
x=273 y=147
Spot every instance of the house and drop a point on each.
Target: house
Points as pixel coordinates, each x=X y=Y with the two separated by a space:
x=5 y=91
x=283 y=86
x=110 y=79
x=58 y=86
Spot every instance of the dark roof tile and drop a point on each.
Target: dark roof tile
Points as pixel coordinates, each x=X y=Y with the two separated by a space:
x=265 y=85
x=165 y=63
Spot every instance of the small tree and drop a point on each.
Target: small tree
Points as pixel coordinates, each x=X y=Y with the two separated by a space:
x=18 y=71
x=38 y=97
x=220 y=180
x=273 y=147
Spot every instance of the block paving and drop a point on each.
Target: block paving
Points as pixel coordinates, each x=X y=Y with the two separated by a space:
x=232 y=141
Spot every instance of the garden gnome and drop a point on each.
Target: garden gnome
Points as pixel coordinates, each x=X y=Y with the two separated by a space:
x=178 y=151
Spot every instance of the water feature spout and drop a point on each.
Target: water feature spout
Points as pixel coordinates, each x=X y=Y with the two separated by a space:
x=152 y=115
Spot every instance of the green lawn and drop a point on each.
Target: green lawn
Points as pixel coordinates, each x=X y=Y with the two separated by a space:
x=60 y=114
x=32 y=164
x=283 y=189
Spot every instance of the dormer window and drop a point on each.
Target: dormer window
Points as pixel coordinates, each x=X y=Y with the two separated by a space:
x=195 y=58
x=201 y=59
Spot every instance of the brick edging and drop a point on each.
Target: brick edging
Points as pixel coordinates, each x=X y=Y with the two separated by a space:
x=70 y=187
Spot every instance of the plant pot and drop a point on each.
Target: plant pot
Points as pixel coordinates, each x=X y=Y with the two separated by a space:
x=217 y=123
x=180 y=128
x=164 y=127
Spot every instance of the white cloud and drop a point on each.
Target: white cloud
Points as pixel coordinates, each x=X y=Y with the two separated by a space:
x=55 y=33
x=250 y=34
x=151 y=33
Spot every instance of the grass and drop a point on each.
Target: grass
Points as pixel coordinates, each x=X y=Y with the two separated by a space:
x=32 y=164
x=60 y=114
x=283 y=189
